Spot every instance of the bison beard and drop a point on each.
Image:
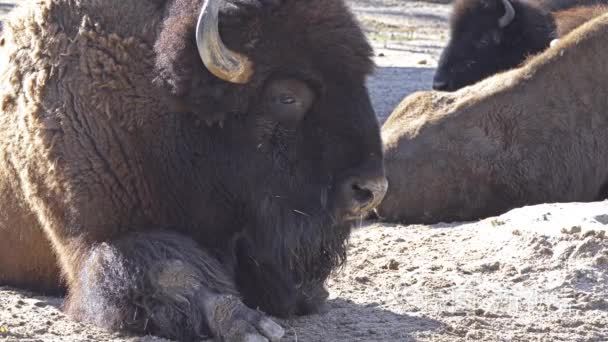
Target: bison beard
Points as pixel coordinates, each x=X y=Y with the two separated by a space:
x=174 y=197
x=275 y=273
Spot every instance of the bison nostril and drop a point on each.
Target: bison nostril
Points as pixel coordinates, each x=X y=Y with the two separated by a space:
x=365 y=194
x=362 y=195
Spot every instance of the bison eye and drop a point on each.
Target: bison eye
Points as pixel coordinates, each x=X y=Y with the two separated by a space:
x=488 y=38
x=287 y=100
x=481 y=43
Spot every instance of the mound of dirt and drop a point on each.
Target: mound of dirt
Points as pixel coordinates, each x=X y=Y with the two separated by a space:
x=535 y=273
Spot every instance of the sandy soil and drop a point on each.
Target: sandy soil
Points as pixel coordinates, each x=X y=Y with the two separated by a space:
x=534 y=274
x=408 y=37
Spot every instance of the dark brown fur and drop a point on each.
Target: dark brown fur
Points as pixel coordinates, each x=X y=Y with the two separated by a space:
x=479 y=47
x=162 y=195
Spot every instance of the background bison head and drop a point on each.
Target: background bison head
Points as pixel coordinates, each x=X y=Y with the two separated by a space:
x=489 y=36
x=289 y=152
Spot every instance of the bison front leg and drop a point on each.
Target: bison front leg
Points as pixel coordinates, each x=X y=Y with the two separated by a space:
x=162 y=283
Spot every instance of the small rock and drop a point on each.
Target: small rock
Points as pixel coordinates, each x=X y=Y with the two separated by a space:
x=571 y=230
x=452 y=313
x=410 y=282
x=393 y=265
x=525 y=269
x=41 y=330
x=362 y=280
x=381 y=54
x=495 y=315
x=479 y=312
x=520 y=278
x=474 y=335
x=497 y=222
x=436 y=267
x=422 y=62
x=490 y=267
x=40 y=304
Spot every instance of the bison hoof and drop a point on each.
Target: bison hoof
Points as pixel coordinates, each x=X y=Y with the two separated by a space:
x=233 y=321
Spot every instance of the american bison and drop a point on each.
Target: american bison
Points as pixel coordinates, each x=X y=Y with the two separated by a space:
x=490 y=36
x=530 y=135
x=177 y=164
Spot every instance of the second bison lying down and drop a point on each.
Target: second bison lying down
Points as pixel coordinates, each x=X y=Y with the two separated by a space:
x=532 y=135
x=490 y=36
x=177 y=177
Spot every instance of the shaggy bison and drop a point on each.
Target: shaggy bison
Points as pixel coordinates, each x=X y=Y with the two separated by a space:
x=490 y=36
x=531 y=135
x=176 y=165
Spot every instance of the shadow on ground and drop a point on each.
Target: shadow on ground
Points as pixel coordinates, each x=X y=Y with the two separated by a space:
x=346 y=321
x=5 y=7
x=27 y=315
x=388 y=86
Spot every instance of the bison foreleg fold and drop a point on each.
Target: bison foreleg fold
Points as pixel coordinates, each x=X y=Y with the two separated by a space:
x=163 y=283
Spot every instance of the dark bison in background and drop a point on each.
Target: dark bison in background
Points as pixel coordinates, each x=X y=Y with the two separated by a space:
x=490 y=36
x=175 y=176
x=536 y=134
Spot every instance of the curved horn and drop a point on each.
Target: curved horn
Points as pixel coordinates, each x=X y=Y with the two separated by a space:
x=220 y=61
x=508 y=16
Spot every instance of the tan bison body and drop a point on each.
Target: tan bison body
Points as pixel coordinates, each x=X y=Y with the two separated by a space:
x=531 y=135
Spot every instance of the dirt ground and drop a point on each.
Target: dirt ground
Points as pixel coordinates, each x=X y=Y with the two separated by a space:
x=537 y=273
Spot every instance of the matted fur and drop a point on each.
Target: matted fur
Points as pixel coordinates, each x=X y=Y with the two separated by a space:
x=531 y=135
x=126 y=163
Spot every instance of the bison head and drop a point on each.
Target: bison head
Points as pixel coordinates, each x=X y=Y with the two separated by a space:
x=489 y=36
x=290 y=155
